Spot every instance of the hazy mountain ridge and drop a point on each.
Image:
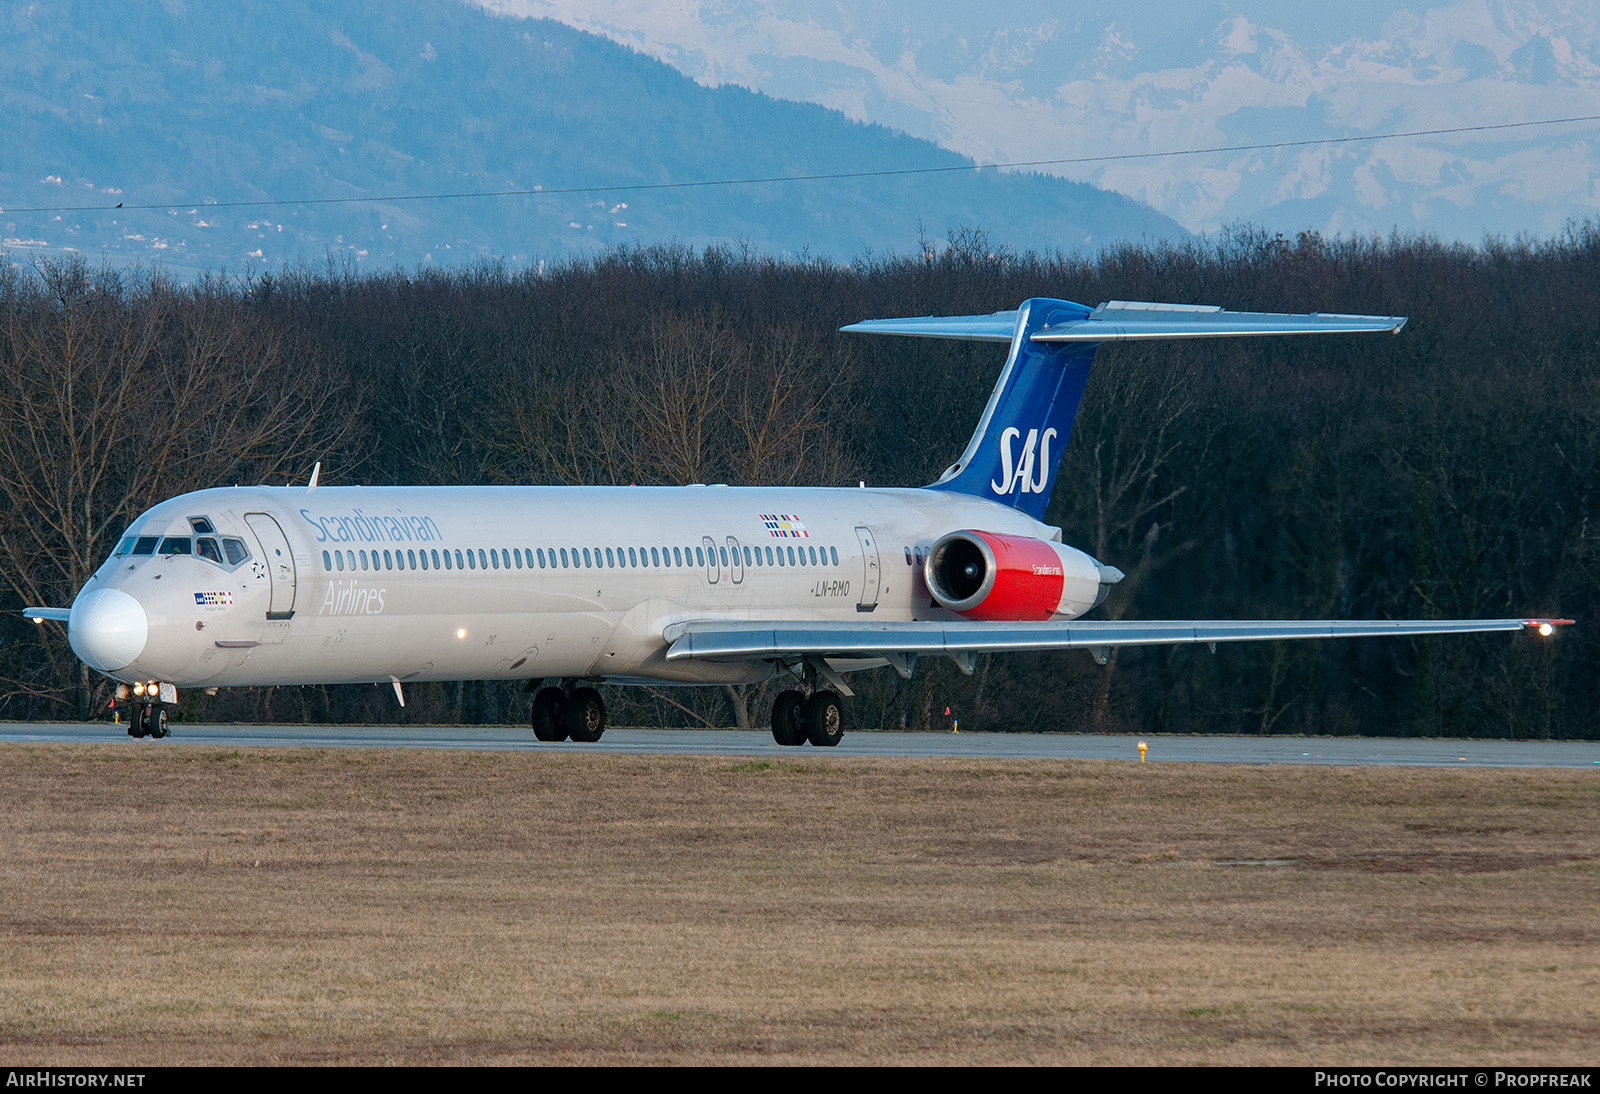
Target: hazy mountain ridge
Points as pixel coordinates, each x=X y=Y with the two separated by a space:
x=150 y=102
x=1168 y=74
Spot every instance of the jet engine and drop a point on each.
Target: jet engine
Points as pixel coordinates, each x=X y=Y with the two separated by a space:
x=990 y=576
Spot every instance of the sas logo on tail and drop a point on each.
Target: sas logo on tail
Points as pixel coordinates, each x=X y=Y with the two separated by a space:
x=1026 y=465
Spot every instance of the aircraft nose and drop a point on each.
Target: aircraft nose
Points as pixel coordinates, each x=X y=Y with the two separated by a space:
x=107 y=629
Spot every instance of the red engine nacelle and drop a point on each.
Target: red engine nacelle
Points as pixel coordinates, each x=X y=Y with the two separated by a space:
x=990 y=576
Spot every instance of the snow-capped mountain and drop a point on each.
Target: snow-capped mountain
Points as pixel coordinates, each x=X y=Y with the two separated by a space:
x=1036 y=80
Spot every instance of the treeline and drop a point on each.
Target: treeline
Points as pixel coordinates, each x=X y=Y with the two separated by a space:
x=1446 y=472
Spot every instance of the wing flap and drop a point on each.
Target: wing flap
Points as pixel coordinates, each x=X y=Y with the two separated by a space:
x=744 y=640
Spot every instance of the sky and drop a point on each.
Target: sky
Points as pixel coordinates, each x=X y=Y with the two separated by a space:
x=1033 y=80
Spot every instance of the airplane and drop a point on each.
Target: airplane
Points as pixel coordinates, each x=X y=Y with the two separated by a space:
x=569 y=587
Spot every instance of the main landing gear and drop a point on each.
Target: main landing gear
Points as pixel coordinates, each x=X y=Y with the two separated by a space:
x=797 y=719
x=578 y=713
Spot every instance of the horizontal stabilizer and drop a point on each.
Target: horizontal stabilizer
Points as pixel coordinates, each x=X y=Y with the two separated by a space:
x=743 y=640
x=1133 y=321
x=1130 y=321
x=999 y=327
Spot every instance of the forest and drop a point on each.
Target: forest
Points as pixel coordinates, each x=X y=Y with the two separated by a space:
x=1449 y=471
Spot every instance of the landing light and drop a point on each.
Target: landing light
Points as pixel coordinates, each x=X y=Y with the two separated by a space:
x=138 y=688
x=38 y=619
x=1546 y=630
x=461 y=632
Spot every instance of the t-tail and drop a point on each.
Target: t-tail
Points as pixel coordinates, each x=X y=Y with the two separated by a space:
x=1015 y=452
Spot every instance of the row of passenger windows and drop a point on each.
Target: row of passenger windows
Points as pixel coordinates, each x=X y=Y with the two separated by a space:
x=520 y=558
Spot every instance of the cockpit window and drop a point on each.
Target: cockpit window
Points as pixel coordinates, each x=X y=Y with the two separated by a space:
x=235 y=550
x=177 y=545
x=202 y=526
x=126 y=546
x=207 y=548
x=146 y=545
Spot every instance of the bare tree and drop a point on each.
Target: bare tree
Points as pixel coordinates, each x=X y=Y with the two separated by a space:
x=117 y=390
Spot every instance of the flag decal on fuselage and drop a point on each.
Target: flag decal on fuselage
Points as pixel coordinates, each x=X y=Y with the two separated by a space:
x=784 y=526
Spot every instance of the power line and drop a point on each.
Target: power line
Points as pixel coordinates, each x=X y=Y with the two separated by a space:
x=640 y=186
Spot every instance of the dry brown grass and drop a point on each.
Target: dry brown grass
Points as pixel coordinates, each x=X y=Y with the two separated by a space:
x=176 y=905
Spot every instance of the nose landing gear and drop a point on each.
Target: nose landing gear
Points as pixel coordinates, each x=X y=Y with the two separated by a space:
x=150 y=703
x=575 y=712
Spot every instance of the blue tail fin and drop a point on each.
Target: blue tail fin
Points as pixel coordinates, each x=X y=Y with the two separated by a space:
x=1014 y=453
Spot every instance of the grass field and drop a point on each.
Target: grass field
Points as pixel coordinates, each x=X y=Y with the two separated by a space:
x=164 y=905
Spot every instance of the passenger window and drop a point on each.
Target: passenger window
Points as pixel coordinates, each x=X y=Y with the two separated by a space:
x=208 y=550
x=812 y=551
x=472 y=563
x=388 y=561
x=177 y=545
x=236 y=551
x=327 y=561
x=586 y=559
x=424 y=555
x=610 y=559
x=833 y=553
x=769 y=557
x=363 y=556
x=655 y=557
x=516 y=555
x=338 y=561
x=483 y=563
x=723 y=551
x=411 y=560
x=791 y=556
x=699 y=556
x=146 y=545
x=780 y=556
x=747 y=556
x=540 y=553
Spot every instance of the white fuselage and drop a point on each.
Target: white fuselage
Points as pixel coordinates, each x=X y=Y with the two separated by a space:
x=369 y=584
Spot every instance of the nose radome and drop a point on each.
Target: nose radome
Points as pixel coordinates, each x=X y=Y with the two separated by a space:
x=107 y=629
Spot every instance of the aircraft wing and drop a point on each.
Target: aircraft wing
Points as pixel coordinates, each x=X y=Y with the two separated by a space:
x=754 y=640
x=39 y=615
x=1133 y=321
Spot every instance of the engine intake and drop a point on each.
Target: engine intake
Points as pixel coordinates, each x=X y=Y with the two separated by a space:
x=991 y=576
